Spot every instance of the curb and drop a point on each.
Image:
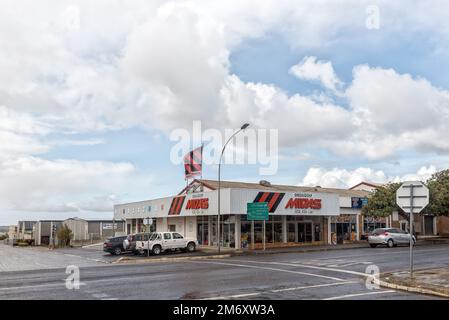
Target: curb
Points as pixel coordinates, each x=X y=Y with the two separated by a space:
x=257 y=252
x=412 y=289
x=171 y=259
x=330 y=248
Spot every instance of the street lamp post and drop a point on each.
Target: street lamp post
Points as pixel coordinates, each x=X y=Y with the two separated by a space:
x=219 y=181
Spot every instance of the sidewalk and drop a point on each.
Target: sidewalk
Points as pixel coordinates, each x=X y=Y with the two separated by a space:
x=300 y=249
x=317 y=248
x=427 y=281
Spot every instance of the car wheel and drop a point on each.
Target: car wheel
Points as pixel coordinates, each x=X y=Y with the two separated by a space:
x=390 y=243
x=117 y=251
x=190 y=247
x=157 y=250
x=372 y=245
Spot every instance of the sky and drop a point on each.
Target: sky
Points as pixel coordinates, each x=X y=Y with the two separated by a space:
x=92 y=91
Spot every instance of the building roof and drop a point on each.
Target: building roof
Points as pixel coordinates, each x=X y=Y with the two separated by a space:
x=213 y=184
x=369 y=184
x=75 y=219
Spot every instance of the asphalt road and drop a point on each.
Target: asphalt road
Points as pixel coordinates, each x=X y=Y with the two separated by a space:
x=330 y=275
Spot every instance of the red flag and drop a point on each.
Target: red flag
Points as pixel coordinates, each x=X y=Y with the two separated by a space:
x=193 y=162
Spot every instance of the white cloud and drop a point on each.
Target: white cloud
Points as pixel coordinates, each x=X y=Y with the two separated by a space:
x=299 y=119
x=311 y=69
x=160 y=65
x=395 y=112
x=109 y=65
x=33 y=184
x=20 y=134
x=343 y=178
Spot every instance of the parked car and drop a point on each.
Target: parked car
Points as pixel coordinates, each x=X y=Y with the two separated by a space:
x=114 y=245
x=167 y=241
x=390 y=237
x=130 y=241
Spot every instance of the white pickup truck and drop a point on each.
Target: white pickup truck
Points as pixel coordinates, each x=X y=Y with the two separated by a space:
x=164 y=241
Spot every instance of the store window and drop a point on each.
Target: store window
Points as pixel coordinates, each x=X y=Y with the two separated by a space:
x=277 y=232
x=258 y=232
x=245 y=233
x=213 y=226
x=228 y=232
x=291 y=232
x=153 y=226
x=317 y=233
x=172 y=227
x=203 y=230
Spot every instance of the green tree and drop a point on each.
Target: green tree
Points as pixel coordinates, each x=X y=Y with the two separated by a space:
x=64 y=235
x=438 y=186
x=382 y=202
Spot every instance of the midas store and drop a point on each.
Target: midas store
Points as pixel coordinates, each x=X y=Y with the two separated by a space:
x=297 y=215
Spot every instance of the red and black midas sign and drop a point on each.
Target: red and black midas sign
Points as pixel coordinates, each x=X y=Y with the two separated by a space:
x=194 y=204
x=303 y=203
x=176 y=206
x=273 y=199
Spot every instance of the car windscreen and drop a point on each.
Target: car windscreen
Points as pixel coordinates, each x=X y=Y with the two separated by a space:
x=378 y=231
x=154 y=236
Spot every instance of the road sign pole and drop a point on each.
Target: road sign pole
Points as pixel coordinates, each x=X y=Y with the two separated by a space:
x=412 y=197
x=264 y=234
x=252 y=234
x=411 y=230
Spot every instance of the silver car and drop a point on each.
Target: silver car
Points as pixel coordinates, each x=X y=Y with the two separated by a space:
x=390 y=237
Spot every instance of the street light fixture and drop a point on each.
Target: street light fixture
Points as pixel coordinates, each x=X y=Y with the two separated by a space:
x=243 y=127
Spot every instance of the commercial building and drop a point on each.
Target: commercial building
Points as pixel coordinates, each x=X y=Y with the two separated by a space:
x=12 y=232
x=43 y=231
x=296 y=214
x=25 y=230
x=83 y=230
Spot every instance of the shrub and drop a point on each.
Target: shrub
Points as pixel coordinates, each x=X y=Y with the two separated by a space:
x=64 y=235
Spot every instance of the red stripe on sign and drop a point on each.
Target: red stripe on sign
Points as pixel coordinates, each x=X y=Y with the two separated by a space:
x=264 y=197
x=196 y=156
x=273 y=201
x=172 y=206
x=178 y=205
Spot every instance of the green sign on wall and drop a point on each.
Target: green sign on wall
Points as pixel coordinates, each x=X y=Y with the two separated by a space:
x=257 y=211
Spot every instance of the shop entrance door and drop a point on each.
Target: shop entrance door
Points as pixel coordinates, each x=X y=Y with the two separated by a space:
x=343 y=232
x=304 y=232
x=291 y=235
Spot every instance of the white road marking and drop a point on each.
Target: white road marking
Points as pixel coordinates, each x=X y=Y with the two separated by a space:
x=245 y=295
x=334 y=263
x=272 y=269
x=314 y=286
x=86 y=258
x=391 y=251
x=100 y=295
x=59 y=284
x=235 y=296
x=359 y=294
x=307 y=266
